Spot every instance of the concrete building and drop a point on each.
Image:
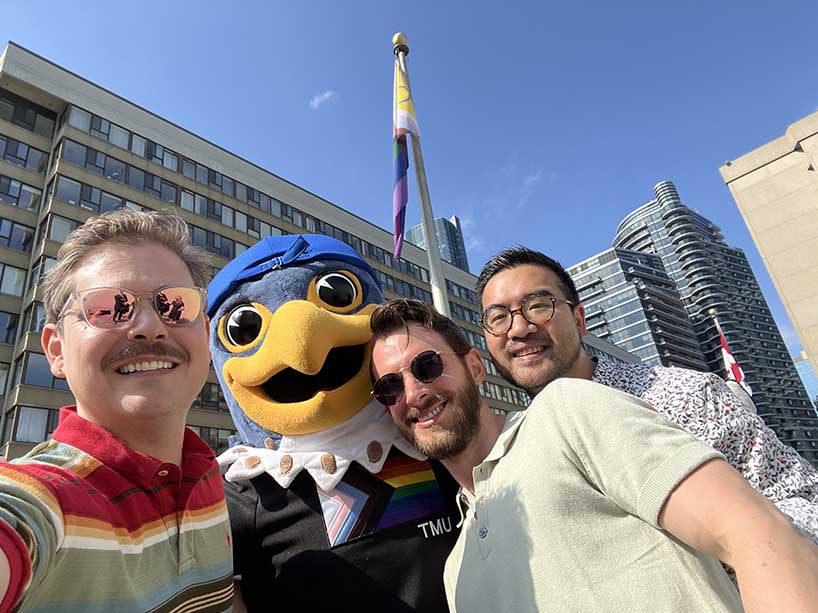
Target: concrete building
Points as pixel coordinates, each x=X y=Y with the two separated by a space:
x=449 y=238
x=776 y=189
x=808 y=377
x=710 y=274
x=631 y=302
x=70 y=149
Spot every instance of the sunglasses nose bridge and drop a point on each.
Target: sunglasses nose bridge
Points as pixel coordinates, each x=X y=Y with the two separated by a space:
x=414 y=389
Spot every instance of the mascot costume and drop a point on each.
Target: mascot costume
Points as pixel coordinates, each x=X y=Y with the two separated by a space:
x=331 y=509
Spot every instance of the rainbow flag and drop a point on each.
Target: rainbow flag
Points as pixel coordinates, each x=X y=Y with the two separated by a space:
x=403 y=122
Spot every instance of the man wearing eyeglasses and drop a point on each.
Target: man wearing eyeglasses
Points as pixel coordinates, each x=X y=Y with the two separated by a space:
x=559 y=514
x=533 y=325
x=124 y=508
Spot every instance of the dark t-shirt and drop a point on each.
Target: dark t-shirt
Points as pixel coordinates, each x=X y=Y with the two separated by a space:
x=391 y=561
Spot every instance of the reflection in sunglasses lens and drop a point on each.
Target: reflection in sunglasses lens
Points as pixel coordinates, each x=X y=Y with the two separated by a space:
x=109 y=307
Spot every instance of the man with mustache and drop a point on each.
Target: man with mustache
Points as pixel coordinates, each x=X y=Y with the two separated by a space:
x=587 y=501
x=123 y=509
x=533 y=324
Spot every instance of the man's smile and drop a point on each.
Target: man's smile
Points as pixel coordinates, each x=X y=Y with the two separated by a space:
x=428 y=417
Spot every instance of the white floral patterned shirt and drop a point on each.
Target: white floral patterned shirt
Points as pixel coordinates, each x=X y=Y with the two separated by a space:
x=703 y=405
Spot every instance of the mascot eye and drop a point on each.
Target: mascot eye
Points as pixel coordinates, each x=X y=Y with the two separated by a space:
x=336 y=290
x=243 y=325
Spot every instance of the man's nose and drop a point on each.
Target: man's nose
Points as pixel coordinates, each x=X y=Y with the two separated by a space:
x=415 y=391
x=146 y=325
x=520 y=326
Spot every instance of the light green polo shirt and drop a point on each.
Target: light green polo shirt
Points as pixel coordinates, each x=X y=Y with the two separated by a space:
x=565 y=513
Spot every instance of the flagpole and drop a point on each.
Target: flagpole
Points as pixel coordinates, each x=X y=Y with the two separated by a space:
x=401 y=49
x=712 y=313
x=740 y=388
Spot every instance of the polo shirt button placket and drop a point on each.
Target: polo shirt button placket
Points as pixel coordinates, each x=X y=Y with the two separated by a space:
x=175 y=542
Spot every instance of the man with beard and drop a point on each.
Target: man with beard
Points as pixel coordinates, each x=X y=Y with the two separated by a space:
x=534 y=322
x=557 y=516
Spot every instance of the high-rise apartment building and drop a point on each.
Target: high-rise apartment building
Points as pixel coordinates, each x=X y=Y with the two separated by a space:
x=631 y=302
x=70 y=149
x=449 y=238
x=710 y=274
x=776 y=189
x=808 y=377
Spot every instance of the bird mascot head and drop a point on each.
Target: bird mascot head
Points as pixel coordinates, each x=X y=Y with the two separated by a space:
x=290 y=341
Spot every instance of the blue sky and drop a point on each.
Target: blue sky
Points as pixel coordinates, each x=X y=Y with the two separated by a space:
x=543 y=123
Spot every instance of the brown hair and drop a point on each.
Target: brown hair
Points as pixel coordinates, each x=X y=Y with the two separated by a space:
x=124 y=227
x=398 y=314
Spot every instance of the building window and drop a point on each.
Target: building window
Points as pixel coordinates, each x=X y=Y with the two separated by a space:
x=26 y=114
x=16 y=236
x=138 y=145
x=37 y=372
x=8 y=328
x=34 y=317
x=68 y=190
x=211 y=398
x=35 y=425
x=189 y=169
x=114 y=170
x=22 y=155
x=73 y=152
x=79 y=119
x=38 y=271
x=12 y=280
x=118 y=136
x=4 y=376
x=100 y=127
x=60 y=228
x=19 y=194
x=136 y=178
x=170 y=161
x=217 y=438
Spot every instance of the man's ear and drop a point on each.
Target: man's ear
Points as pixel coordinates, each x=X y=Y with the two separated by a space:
x=579 y=317
x=474 y=362
x=52 y=344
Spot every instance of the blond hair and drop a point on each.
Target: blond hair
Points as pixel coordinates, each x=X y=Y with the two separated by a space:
x=124 y=227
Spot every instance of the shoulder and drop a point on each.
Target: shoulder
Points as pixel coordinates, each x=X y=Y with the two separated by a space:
x=684 y=379
x=574 y=395
x=53 y=465
x=570 y=404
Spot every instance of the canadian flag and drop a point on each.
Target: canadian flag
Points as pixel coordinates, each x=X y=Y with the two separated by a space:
x=731 y=367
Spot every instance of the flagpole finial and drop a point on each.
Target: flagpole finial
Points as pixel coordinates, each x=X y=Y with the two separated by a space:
x=711 y=312
x=400 y=44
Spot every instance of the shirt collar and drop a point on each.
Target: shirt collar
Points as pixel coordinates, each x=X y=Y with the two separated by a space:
x=507 y=434
x=142 y=469
x=612 y=372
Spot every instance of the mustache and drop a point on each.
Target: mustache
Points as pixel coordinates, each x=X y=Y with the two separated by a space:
x=415 y=412
x=153 y=348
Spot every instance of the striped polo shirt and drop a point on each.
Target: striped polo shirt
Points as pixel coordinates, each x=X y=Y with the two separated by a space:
x=90 y=525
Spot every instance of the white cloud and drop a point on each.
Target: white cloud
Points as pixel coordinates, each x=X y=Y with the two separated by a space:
x=471 y=235
x=318 y=100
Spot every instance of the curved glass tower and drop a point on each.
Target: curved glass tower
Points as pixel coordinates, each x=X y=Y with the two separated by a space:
x=631 y=301
x=710 y=274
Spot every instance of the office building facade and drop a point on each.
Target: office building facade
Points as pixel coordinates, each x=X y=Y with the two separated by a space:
x=776 y=190
x=710 y=274
x=632 y=303
x=449 y=238
x=70 y=149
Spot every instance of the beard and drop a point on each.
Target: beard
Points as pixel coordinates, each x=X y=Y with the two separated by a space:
x=534 y=379
x=463 y=408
